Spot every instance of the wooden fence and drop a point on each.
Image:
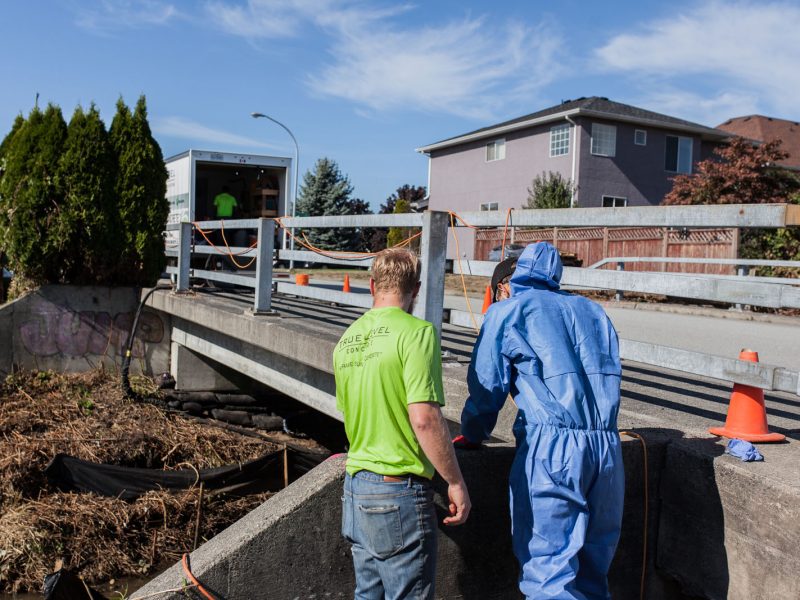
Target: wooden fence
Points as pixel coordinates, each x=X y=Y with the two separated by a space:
x=592 y=244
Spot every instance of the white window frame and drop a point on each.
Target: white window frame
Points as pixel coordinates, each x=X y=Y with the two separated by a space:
x=489 y=206
x=604 y=140
x=688 y=144
x=615 y=201
x=496 y=150
x=559 y=140
x=636 y=133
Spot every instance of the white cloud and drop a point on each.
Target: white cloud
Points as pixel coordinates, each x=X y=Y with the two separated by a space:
x=108 y=15
x=701 y=108
x=748 y=51
x=469 y=67
x=466 y=67
x=182 y=128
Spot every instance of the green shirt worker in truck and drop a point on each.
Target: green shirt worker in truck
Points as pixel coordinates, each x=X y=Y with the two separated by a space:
x=225 y=203
x=389 y=387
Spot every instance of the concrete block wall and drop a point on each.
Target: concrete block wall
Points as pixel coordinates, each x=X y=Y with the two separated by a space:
x=77 y=328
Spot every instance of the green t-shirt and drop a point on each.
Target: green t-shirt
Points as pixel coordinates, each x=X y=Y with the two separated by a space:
x=225 y=203
x=386 y=360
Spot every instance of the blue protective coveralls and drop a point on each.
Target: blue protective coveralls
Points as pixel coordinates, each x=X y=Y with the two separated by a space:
x=557 y=354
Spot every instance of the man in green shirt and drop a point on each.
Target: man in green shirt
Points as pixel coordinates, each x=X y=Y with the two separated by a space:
x=225 y=203
x=389 y=387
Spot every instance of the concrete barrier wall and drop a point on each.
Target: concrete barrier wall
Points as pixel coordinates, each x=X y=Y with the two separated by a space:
x=76 y=328
x=291 y=546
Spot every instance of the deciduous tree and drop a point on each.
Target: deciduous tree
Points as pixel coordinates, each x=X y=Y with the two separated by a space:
x=745 y=173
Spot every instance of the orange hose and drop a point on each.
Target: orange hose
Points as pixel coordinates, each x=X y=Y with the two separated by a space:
x=188 y=571
x=461 y=272
x=505 y=230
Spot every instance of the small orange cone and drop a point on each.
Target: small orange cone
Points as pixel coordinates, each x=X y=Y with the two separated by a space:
x=301 y=279
x=487 y=299
x=346 y=285
x=747 y=417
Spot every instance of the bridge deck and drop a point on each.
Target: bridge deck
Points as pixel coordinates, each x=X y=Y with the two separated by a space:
x=649 y=394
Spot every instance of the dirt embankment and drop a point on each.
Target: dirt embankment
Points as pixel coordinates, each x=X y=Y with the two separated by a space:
x=86 y=416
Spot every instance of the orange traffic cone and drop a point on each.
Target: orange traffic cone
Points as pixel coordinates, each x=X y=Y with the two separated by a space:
x=487 y=299
x=747 y=417
x=346 y=285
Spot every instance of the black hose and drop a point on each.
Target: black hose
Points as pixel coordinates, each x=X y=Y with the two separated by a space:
x=126 y=361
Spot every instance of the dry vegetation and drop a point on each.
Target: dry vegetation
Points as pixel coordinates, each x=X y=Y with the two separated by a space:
x=42 y=414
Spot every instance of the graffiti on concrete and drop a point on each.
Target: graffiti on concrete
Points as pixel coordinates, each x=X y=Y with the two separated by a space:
x=55 y=329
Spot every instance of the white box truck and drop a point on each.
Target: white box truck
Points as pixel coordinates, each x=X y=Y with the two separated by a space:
x=261 y=185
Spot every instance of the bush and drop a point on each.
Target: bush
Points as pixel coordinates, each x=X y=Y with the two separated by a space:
x=550 y=190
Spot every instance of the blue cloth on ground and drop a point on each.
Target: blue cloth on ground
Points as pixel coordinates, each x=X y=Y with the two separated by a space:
x=557 y=354
x=745 y=451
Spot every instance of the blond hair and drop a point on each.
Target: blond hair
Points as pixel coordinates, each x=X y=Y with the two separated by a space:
x=396 y=270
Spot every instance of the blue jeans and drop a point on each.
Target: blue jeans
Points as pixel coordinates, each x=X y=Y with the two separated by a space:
x=392 y=527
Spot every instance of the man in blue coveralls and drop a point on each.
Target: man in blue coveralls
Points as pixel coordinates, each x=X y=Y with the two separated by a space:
x=557 y=354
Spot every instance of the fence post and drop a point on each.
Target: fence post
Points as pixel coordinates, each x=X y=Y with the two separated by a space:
x=266 y=246
x=619 y=295
x=741 y=271
x=433 y=252
x=184 y=256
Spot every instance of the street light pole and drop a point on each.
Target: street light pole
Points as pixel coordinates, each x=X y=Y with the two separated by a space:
x=258 y=115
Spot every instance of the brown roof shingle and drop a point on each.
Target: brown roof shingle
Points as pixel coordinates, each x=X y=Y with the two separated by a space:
x=766 y=129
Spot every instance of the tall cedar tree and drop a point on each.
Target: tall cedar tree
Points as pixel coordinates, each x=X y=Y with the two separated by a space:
x=91 y=224
x=325 y=191
x=746 y=173
x=403 y=197
x=549 y=190
x=31 y=198
x=140 y=189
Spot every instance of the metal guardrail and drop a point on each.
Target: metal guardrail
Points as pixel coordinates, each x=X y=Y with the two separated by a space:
x=721 y=215
x=737 y=262
x=435 y=227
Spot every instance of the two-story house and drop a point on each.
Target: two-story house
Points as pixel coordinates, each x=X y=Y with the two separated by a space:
x=615 y=154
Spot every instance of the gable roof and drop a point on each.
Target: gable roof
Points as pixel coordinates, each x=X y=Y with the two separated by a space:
x=765 y=129
x=594 y=106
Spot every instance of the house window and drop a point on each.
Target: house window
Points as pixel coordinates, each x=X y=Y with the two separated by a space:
x=678 y=156
x=489 y=206
x=559 y=140
x=640 y=137
x=614 y=202
x=604 y=139
x=495 y=150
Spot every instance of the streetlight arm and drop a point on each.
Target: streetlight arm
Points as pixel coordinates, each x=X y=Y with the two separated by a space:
x=258 y=115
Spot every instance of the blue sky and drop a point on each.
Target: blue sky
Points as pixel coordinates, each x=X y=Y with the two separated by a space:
x=364 y=83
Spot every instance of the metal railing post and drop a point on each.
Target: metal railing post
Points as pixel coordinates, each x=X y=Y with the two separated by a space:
x=741 y=271
x=433 y=253
x=619 y=295
x=266 y=246
x=184 y=256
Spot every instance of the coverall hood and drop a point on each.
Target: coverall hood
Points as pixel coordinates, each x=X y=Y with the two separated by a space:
x=539 y=266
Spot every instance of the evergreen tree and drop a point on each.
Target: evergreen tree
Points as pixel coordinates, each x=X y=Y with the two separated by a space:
x=140 y=190
x=6 y=143
x=550 y=190
x=31 y=198
x=325 y=191
x=90 y=218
